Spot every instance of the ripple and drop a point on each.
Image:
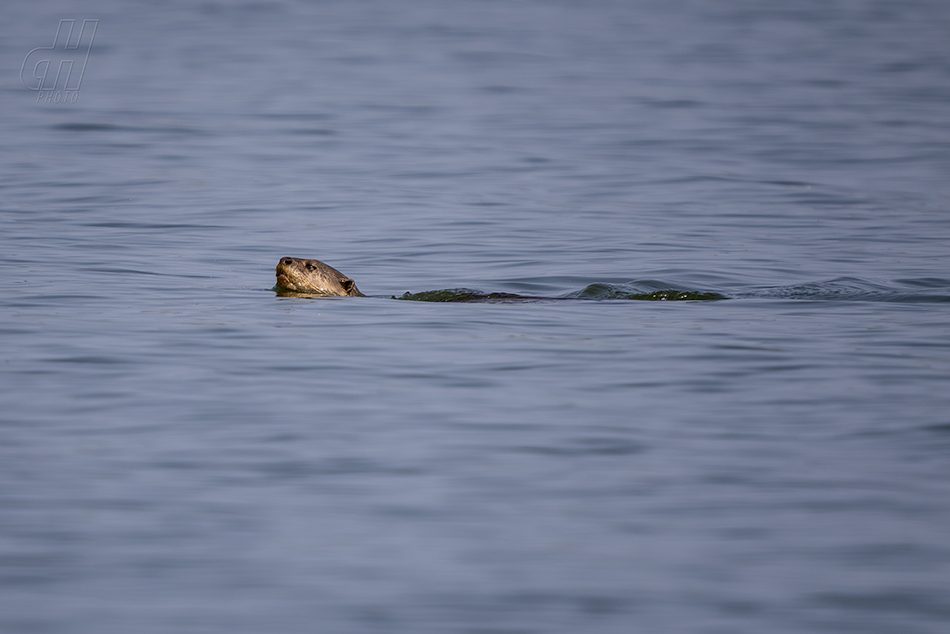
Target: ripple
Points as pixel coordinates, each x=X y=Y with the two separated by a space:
x=857 y=289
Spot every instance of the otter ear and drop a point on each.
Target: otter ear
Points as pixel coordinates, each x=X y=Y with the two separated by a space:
x=348 y=284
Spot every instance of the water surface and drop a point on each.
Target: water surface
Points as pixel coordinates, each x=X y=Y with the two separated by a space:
x=181 y=449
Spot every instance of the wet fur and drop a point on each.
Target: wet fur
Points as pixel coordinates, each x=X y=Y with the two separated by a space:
x=313 y=277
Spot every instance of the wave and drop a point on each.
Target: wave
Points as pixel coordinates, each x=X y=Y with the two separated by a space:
x=921 y=290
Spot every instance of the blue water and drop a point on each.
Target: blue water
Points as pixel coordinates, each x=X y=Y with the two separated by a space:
x=183 y=450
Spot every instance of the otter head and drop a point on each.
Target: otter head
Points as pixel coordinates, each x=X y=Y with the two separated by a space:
x=313 y=277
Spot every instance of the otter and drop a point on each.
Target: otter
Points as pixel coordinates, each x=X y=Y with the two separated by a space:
x=313 y=277
x=297 y=277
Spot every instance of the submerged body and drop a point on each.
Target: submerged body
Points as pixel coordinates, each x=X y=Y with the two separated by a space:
x=313 y=277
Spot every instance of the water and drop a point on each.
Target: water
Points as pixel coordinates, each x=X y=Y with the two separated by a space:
x=183 y=450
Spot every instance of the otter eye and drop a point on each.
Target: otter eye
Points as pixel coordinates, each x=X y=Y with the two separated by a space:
x=310 y=267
